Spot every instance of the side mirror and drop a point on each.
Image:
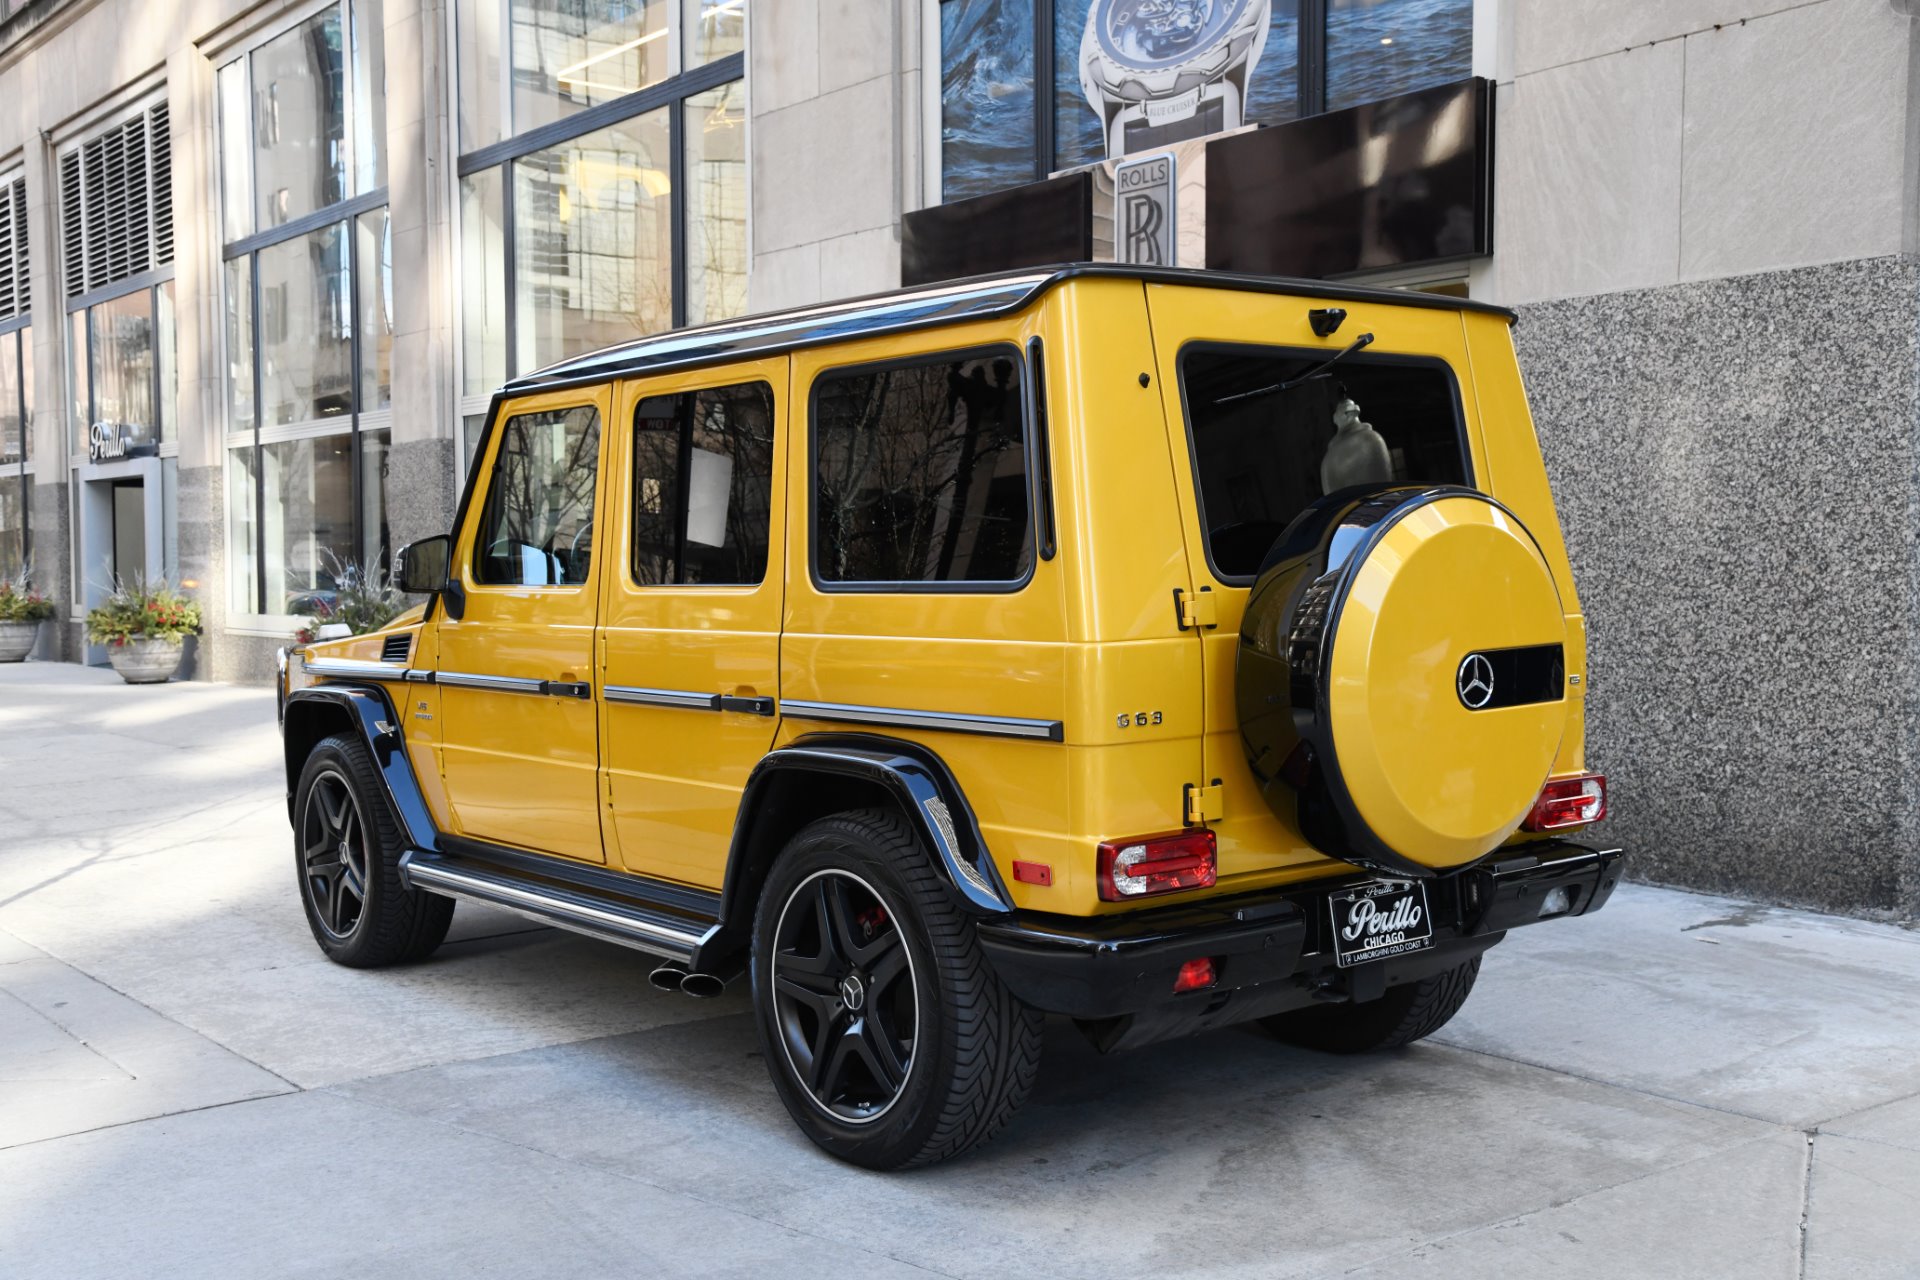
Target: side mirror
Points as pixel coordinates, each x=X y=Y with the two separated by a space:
x=420 y=568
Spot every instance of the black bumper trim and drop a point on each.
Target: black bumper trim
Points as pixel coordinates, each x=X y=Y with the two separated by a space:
x=1109 y=966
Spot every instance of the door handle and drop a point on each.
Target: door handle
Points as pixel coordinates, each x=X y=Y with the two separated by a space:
x=566 y=689
x=751 y=706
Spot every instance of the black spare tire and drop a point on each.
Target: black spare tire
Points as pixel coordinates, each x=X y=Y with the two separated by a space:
x=1401 y=681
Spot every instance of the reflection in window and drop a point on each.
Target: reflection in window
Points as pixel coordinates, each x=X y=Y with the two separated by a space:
x=13 y=525
x=299 y=121
x=1264 y=455
x=374 y=256
x=476 y=38
x=715 y=28
x=920 y=474
x=123 y=373
x=13 y=419
x=306 y=328
x=243 y=583
x=573 y=54
x=1379 y=48
x=483 y=284
x=240 y=343
x=537 y=528
x=376 y=540
x=717 y=203
x=593 y=241
x=308 y=522
x=236 y=164
x=703 y=486
x=986 y=96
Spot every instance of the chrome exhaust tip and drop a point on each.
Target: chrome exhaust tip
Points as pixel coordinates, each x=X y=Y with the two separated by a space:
x=701 y=986
x=668 y=977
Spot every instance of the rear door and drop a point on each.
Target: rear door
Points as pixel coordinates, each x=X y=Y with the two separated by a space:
x=522 y=749
x=691 y=631
x=1249 y=457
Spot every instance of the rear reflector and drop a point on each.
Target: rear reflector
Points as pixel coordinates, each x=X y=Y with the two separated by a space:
x=1194 y=975
x=1032 y=872
x=1568 y=802
x=1157 y=864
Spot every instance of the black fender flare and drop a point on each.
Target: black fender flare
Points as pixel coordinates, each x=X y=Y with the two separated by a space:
x=369 y=710
x=919 y=782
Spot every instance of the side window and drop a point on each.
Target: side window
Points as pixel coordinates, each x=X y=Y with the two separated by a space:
x=920 y=473
x=703 y=486
x=537 y=527
x=1266 y=447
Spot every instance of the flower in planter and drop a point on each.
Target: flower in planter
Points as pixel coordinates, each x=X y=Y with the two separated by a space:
x=363 y=598
x=20 y=602
x=143 y=611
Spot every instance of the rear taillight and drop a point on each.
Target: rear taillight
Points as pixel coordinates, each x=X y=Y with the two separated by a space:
x=1568 y=802
x=1147 y=865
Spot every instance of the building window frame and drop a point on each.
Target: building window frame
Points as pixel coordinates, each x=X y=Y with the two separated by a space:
x=360 y=420
x=672 y=94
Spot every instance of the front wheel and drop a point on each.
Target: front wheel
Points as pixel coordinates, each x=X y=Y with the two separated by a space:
x=1404 y=1014
x=347 y=851
x=889 y=1039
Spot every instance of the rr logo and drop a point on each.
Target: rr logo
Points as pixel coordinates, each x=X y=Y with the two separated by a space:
x=1145 y=217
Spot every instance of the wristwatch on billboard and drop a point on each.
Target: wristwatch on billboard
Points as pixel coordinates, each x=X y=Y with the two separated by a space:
x=1162 y=71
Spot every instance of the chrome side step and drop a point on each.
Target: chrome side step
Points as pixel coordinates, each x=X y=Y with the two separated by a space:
x=644 y=928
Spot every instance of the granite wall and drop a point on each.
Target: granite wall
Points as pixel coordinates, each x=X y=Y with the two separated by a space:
x=1735 y=465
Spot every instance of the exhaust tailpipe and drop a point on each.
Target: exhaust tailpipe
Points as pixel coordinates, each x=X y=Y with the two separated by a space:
x=668 y=977
x=701 y=986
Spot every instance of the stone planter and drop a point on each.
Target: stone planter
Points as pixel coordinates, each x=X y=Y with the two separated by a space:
x=16 y=640
x=145 y=660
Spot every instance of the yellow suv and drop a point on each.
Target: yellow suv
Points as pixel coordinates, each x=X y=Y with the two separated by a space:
x=1162 y=649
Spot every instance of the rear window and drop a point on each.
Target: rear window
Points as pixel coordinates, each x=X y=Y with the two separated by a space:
x=1264 y=451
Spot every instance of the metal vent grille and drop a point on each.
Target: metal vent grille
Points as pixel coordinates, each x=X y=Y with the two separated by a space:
x=116 y=203
x=396 y=647
x=15 y=296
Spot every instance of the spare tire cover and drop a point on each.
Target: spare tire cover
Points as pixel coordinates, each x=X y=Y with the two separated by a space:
x=1401 y=681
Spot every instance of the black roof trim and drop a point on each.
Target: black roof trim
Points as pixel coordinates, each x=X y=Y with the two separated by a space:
x=926 y=306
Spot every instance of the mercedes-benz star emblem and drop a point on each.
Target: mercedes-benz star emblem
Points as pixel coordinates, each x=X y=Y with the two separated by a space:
x=1475 y=681
x=852 y=993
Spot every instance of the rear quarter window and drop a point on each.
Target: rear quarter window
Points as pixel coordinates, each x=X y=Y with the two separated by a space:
x=1264 y=451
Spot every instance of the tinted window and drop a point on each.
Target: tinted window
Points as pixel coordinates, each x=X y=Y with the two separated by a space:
x=702 y=486
x=1263 y=454
x=537 y=528
x=920 y=474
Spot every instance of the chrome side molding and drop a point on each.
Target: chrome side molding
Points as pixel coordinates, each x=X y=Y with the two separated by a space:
x=903 y=718
x=515 y=684
x=358 y=669
x=634 y=695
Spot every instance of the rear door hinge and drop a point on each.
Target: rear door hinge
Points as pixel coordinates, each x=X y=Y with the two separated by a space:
x=1205 y=804
x=1194 y=609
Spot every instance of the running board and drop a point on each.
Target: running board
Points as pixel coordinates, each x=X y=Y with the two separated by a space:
x=590 y=909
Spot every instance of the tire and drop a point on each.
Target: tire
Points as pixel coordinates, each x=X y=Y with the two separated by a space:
x=1398 y=1018
x=346 y=853
x=855 y=899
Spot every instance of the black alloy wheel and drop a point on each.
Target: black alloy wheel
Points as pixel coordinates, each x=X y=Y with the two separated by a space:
x=346 y=853
x=333 y=854
x=843 y=993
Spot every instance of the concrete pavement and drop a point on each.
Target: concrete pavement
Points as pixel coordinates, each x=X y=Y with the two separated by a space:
x=1681 y=1086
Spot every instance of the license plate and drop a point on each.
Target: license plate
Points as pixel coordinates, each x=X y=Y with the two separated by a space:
x=1379 y=919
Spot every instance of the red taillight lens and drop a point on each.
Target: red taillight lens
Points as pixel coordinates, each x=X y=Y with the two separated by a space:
x=1194 y=975
x=1568 y=802
x=1157 y=864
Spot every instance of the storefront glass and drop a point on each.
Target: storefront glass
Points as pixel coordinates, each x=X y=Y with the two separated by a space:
x=16 y=448
x=239 y=307
x=306 y=328
x=592 y=247
x=13 y=420
x=717 y=203
x=578 y=54
x=299 y=121
x=483 y=284
x=308 y=521
x=374 y=256
x=714 y=29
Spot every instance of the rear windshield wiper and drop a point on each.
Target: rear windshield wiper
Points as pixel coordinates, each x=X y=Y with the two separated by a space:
x=1319 y=370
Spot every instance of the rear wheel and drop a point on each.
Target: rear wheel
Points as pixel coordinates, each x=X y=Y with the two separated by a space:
x=889 y=1039
x=347 y=851
x=1398 y=1018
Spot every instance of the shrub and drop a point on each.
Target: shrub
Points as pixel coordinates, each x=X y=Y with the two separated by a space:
x=20 y=602
x=143 y=611
x=363 y=598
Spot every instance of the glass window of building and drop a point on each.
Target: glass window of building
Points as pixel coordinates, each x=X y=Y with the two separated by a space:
x=602 y=176
x=309 y=310
x=1090 y=59
x=16 y=381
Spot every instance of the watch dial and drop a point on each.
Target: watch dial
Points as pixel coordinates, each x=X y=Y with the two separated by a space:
x=1148 y=34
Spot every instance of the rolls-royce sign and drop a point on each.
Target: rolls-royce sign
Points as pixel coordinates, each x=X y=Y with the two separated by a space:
x=1143 y=212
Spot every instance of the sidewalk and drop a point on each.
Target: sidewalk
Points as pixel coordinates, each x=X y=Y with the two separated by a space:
x=1680 y=1086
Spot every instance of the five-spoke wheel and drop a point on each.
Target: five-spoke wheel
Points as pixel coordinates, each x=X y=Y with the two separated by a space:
x=844 y=996
x=333 y=852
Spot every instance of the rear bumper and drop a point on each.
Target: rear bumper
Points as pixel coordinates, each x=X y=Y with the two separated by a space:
x=1269 y=949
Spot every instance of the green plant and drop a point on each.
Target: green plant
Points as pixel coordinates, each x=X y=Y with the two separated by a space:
x=364 y=599
x=20 y=602
x=143 y=611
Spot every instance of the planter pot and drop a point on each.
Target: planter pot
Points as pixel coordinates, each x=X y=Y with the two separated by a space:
x=145 y=660
x=16 y=640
